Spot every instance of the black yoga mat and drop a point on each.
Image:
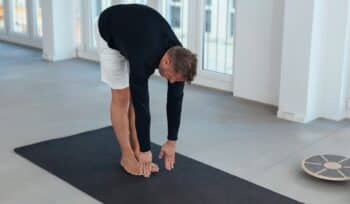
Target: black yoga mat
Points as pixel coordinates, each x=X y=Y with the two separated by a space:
x=90 y=162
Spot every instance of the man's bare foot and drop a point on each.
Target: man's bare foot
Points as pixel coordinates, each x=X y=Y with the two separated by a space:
x=131 y=165
x=155 y=167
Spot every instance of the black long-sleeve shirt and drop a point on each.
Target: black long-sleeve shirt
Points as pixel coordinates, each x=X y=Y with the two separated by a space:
x=143 y=36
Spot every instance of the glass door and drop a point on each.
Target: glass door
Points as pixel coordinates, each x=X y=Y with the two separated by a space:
x=2 y=16
x=38 y=20
x=19 y=20
x=176 y=12
x=218 y=40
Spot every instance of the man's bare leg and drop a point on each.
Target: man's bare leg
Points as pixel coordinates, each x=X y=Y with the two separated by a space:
x=133 y=136
x=120 y=121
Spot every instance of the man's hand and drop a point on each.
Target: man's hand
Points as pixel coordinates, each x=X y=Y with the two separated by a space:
x=145 y=159
x=168 y=150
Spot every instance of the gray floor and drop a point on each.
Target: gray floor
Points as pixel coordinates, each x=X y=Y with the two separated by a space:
x=41 y=100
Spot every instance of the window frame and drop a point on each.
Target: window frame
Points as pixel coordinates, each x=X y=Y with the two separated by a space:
x=173 y=4
x=165 y=9
x=232 y=11
x=34 y=19
x=3 y=30
x=208 y=8
x=205 y=77
x=11 y=18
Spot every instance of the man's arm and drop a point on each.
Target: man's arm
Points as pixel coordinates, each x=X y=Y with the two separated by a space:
x=174 y=106
x=140 y=99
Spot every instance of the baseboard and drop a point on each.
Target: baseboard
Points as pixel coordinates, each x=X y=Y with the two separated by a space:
x=88 y=55
x=300 y=118
x=22 y=41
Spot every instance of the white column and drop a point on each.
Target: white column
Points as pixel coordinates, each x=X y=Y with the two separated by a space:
x=58 y=30
x=296 y=60
x=335 y=63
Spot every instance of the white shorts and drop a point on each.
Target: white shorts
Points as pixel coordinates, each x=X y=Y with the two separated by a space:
x=115 y=67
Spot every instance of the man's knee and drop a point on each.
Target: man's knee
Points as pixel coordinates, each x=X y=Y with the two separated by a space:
x=121 y=98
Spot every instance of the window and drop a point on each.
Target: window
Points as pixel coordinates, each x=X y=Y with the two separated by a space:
x=21 y=21
x=175 y=15
x=176 y=12
x=207 y=16
x=208 y=20
x=2 y=15
x=218 y=36
x=231 y=17
x=98 y=6
x=38 y=22
x=19 y=16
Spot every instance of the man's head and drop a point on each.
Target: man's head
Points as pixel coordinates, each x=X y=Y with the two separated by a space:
x=178 y=64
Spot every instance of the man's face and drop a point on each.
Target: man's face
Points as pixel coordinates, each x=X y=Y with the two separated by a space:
x=167 y=71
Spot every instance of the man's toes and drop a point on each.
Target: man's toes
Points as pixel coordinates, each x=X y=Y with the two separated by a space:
x=147 y=172
x=155 y=168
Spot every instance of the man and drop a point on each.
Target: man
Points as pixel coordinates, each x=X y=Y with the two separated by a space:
x=133 y=41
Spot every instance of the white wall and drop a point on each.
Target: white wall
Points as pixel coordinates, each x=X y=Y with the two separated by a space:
x=347 y=64
x=259 y=26
x=294 y=54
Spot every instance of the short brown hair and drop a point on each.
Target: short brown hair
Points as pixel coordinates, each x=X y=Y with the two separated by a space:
x=184 y=62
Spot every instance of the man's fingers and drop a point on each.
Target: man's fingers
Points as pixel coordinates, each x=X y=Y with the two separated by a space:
x=172 y=161
x=168 y=164
x=161 y=154
x=146 y=169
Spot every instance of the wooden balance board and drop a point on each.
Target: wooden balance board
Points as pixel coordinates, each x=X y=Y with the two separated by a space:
x=328 y=167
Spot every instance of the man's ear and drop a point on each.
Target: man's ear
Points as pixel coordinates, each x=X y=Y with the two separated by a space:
x=167 y=59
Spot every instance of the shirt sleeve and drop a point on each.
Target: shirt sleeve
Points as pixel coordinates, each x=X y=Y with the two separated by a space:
x=174 y=107
x=140 y=98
